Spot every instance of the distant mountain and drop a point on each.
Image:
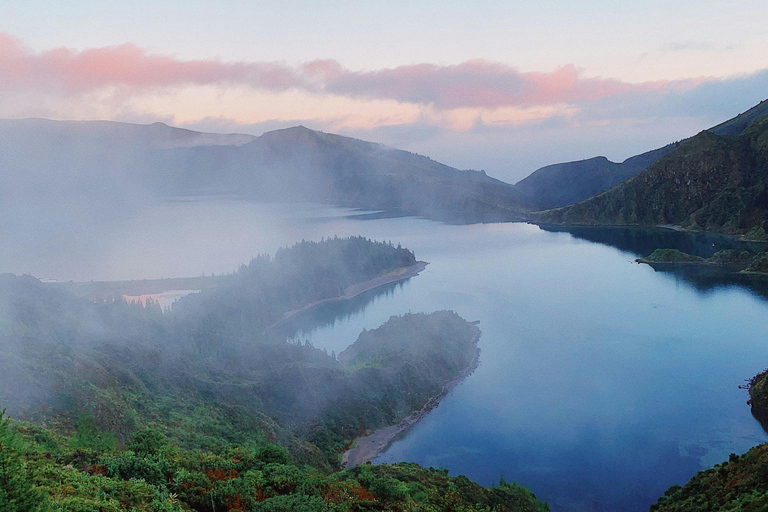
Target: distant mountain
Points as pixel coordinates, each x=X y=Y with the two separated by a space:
x=713 y=182
x=102 y=160
x=567 y=183
x=299 y=164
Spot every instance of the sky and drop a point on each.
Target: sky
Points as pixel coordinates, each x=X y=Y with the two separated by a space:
x=506 y=87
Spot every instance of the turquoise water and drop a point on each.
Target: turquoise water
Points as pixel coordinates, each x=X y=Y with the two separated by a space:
x=601 y=383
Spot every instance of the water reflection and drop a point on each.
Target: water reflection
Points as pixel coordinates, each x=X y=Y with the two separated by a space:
x=642 y=241
x=325 y=315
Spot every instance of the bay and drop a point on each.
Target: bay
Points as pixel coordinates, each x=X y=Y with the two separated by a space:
x=601 y=383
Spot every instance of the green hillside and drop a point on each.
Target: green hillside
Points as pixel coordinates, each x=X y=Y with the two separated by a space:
x=712 y=182
x=567 y=183
x=121 y=407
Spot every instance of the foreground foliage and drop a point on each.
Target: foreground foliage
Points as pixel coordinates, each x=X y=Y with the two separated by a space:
x=41 y=471
x=738 y=485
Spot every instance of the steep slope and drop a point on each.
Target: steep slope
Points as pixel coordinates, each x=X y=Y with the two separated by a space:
x=712 y=182
x=567 y=183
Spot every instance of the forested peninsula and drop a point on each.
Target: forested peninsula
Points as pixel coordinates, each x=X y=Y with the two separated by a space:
x=118 y=406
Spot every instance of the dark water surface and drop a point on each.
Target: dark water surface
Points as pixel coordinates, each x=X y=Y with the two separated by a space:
x=602 y=382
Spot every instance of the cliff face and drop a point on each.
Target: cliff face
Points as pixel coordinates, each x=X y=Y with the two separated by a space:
x=711 y=182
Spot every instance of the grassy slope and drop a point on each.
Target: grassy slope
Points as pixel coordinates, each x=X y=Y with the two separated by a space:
x=738 y=485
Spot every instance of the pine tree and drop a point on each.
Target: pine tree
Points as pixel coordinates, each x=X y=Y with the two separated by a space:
x=17 y=494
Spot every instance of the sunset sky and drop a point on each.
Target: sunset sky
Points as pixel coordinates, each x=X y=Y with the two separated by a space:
x=501 y=86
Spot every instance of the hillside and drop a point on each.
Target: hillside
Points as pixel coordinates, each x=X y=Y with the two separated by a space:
x=42 y=470
x=712 y=182
x=567 y=183
x=199 y=409
x=105 y=164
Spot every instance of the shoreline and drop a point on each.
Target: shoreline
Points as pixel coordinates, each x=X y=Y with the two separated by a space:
x=353 y=290
x=369 y=447
x=736 y=237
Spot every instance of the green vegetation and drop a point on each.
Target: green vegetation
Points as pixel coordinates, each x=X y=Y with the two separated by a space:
x=757 y=387
x=567 y=183
x=731 y=260
x=712 y=182
x=670 y=256
x=154 y=475
x=559 y=185
x=201 y=408
x=738 y=485
x=758 y=264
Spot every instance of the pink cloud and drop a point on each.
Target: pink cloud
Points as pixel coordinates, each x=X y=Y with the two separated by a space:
x=479 y=83
x=470 y=84
x=127 y=65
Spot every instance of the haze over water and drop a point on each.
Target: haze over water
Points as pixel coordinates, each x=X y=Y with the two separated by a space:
x=601 y=381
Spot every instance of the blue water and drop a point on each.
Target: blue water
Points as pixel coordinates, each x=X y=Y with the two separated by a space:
x=602 y=382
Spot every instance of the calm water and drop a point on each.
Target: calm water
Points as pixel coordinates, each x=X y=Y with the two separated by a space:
x=601 y=382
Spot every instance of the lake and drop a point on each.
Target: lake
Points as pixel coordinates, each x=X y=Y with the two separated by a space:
x=601 y=382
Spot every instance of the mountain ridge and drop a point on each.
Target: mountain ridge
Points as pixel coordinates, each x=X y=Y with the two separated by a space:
x=712 y=182
x=294 y=164
x=562 y=184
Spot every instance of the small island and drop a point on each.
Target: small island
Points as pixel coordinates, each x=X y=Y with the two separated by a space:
x=728 y=260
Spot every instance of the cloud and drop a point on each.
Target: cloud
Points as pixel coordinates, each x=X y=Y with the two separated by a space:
x=71 y=72
x=474 y=114
x=479 y=83
x=470 y=84
x=694 y=46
